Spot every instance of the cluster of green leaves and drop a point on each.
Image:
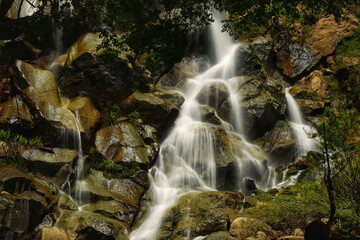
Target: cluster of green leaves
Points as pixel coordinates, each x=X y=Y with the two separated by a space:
x=8 y=137
x=133 y=118
x=290 y=209
x=112 y=169
x=111 y=115
x=14 y=144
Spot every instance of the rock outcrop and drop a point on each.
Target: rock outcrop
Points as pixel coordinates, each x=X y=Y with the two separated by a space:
x=321 y=41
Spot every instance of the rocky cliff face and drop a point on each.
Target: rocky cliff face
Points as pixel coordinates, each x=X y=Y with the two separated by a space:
x=111 y=116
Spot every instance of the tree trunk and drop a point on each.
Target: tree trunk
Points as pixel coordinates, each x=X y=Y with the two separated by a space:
x=328 y=182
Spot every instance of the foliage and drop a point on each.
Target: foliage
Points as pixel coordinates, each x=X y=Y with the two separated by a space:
x=134 y=118
x=339 y=134
x=290 y=209
x=9 y=137
x=278 y=17
x=347 y=69
x=112 y=169
x=350 y=47
x=11 y=146
x=111 y=115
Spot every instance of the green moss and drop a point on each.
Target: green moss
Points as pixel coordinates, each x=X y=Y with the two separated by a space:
x=111 y=169
x=290 y=209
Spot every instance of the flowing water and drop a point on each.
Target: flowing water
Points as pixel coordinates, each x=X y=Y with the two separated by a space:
x=301 y=130
x=187 y=159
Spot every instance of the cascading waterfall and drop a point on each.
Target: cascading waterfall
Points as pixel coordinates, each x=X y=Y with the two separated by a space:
x=300 y=129
x=187 y=159
x=79 y=193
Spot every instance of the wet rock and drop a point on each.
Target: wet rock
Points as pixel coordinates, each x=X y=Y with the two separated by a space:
x=86 y=72
x=86 y=113
x=311 y=107
x=48 y=161
x=244 y=228
x=45 y=96
x=199 y=214
x=294 y=59
x=115 y=198
x=246 y=62
x=121 y=143
x=24 y=202
x=262 y=49
x=310 y=103
x=261 y=114
x=189 y=67
x=83 y=223
x=262 y=105
x=15 y=111
x=90 y=233
x=279 y=144
x=158 y=109
x=213 y=95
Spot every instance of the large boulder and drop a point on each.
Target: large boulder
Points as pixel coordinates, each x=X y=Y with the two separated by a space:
x=123 y=143
x=279 y=143
x=199 y=214
x=246 y=63
x=189 y=67
x=248 y=228
x=158 y=109
x=237 y=160
x=295 y=58
x=48 y=161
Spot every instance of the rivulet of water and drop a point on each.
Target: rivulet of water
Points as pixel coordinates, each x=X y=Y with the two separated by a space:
x=301 y=130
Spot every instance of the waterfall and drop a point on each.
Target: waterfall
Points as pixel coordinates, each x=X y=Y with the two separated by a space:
x=187 y=159
x=300 y=129
x=79 y=193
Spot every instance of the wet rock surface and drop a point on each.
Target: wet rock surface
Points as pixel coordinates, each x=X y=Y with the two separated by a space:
x=199 y=214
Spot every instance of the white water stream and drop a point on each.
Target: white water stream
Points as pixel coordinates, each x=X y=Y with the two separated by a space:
x=301 y=130
x=187 y=159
